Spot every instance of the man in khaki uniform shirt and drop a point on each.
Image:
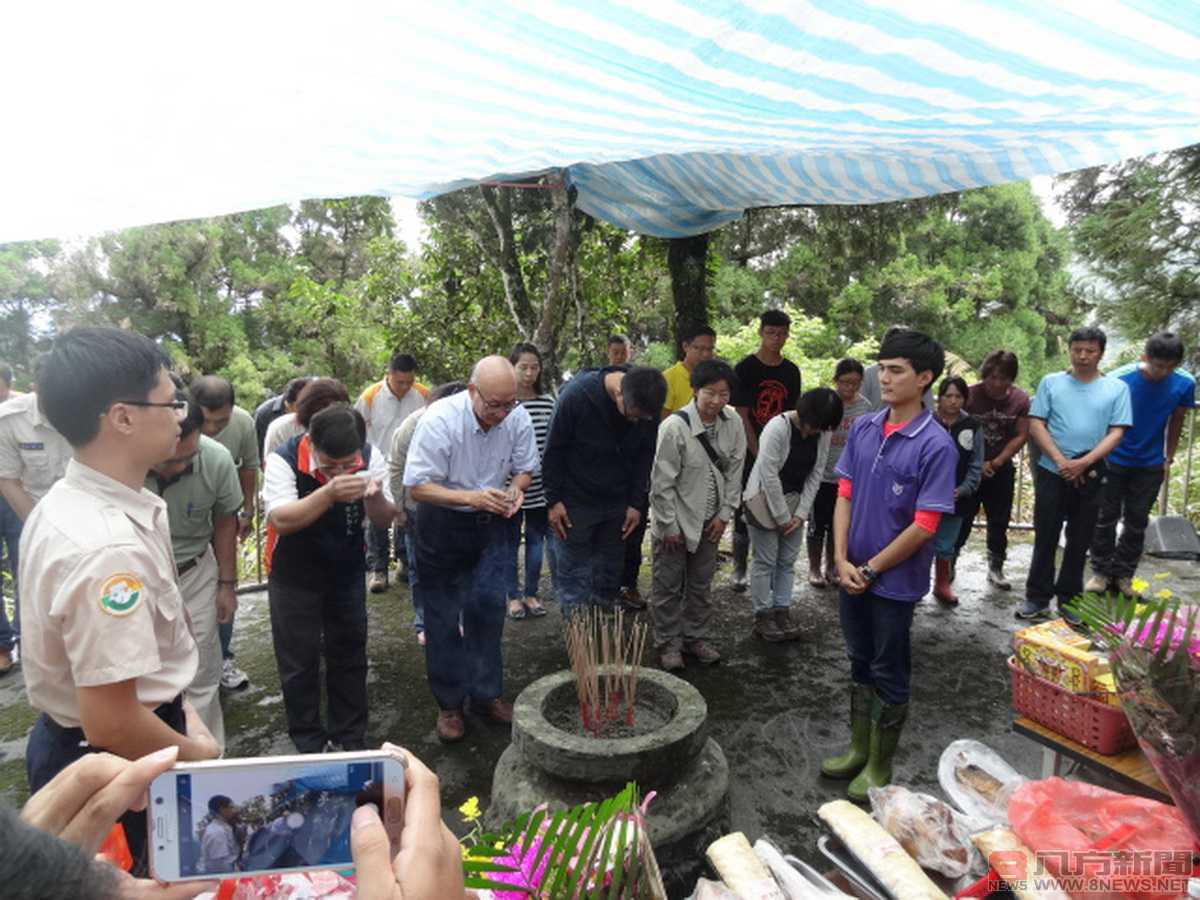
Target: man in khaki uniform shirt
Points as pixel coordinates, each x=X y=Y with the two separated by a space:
x=200 y=486
x=233 y=428
x=32 y=457
x=107 y=652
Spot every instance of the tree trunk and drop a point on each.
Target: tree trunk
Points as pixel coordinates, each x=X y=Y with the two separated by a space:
x=499 y=207
x=560 y=284
x=687 y=259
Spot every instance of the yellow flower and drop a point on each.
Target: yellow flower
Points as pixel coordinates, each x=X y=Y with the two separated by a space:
x=1164 y=594
x=1161 y=576
x=1139 y=585
x=470 y=810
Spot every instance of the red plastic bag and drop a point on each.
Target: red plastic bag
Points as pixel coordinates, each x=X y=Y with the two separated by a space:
x=1101 y=844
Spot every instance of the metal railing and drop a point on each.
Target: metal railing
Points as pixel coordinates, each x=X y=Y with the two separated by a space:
x=1179 y=496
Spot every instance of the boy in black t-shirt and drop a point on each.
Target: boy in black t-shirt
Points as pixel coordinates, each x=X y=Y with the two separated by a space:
x=769 y=384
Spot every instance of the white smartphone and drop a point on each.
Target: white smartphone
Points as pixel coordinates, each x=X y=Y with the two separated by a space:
x=228 y=818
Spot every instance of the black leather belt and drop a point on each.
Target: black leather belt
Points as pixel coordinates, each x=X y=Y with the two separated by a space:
x=187 y=566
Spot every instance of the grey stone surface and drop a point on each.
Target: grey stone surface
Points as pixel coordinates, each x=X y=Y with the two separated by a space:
x=696 y=799
x=652 y=760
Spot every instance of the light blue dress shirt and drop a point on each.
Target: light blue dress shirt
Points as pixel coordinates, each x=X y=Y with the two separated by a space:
x=451 y=449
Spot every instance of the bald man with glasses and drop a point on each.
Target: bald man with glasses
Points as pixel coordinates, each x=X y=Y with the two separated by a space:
x=464 y=450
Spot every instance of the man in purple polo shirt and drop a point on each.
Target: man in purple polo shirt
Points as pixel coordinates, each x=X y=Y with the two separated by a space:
x=896 y=480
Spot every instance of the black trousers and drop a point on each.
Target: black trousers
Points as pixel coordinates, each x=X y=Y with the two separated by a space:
x=633 y=549
x=1128 y=496
x=51 y=748
x=1057 y=501
x=314 y=621
x=995 y=495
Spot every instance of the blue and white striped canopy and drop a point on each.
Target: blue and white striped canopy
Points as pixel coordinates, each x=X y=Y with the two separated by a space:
x=670 y=117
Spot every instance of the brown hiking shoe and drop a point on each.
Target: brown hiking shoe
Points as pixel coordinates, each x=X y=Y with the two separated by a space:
x=6 y=661
x=671 y=659
x=495 y=710
x=450 y=726
x=632 y=598
x=378 y=583
x=704 y=652
x=767 y=628
x=788 y=626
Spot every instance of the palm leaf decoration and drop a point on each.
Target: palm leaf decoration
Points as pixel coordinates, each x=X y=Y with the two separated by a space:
x=598 y=851
x=1154 y=651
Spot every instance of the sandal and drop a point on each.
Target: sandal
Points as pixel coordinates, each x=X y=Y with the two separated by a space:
x=535 y=608
x=516 y=609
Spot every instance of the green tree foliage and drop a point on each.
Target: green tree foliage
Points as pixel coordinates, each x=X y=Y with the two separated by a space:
x=1136 y=228
x=24 y=294
x=978 y=270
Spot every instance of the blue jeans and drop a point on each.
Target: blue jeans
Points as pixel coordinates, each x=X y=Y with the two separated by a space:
x=460 y=567
x=535 y=539
x=946 y=538
x=10 y=538
x=591 y=559
x=410 y=550
x=877 y=632
x=771 y=574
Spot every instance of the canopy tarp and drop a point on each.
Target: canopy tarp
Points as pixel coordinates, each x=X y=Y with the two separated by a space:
x=669 y=117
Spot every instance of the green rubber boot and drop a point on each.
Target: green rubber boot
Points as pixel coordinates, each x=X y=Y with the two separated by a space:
x=850 y=763
x=887 y=722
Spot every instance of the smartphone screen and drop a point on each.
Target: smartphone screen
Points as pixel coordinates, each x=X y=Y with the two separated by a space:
x=228 y=818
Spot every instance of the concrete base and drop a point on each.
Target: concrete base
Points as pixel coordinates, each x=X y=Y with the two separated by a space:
x=685 y=807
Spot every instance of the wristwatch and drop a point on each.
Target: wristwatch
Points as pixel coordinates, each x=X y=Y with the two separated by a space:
x=868 y=573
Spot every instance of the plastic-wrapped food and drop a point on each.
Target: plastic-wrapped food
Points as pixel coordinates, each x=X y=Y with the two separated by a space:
x=323 y=885
x=712 y=890
x=978 y=781
x=927 y=828
x=1016 y=864
x=879 y=852
x=793 y=884
x=743 y=873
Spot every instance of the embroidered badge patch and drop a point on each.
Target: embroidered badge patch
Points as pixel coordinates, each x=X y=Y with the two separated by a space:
x=120 y=595
x=897 y=488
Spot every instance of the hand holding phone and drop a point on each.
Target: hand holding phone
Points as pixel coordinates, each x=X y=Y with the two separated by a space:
x=236 y=817
x=429 y=863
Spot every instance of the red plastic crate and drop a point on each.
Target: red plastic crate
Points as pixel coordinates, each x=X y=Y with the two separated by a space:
x=1093 y=723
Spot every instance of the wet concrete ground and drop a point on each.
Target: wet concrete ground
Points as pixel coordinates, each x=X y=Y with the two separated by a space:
x=775 y=709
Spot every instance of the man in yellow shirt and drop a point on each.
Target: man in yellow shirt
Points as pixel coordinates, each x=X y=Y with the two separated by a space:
x=697 y=343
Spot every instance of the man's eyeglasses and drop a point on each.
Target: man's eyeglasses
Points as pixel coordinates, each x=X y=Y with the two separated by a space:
x=340 y=468
x=180 y=406
x=496 y=405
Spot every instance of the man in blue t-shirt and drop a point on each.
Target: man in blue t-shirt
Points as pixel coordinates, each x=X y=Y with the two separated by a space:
x=1076 y=420
x=1161 y=397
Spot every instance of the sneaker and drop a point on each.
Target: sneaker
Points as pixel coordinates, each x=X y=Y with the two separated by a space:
x=738 y=581
x=1097 y=584
x=233 y=678
x=1069 y=617
x=671 y=659
x=1125 y=587
x=333 y=747
x=704 y=652
x=996 y=579
x=421 y=638
x=1030 y=610
x=378 y=583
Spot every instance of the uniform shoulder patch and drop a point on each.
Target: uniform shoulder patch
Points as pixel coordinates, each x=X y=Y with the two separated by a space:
x=121 y=594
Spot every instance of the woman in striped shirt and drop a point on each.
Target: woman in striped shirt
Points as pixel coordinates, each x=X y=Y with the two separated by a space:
x=528 y=363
